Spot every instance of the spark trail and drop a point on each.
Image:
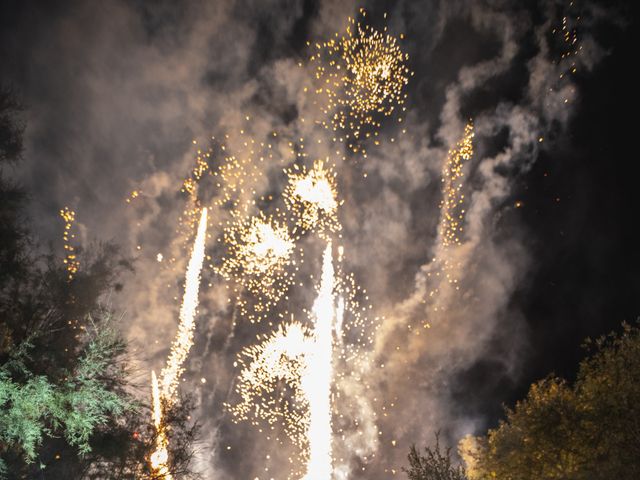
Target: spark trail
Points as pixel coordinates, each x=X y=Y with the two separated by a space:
x=159 y=458
x=166 y=388
x=317 y=381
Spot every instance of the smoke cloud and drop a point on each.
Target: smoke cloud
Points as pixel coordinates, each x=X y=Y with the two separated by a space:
x=121 y=95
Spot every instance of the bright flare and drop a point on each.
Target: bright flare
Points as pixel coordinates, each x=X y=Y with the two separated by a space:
x=179 y=350
x=184 y=339
x=160 y=457
x=317 y=380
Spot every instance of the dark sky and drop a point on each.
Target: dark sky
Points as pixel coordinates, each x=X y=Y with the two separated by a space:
x=580 y=203
x=115 y=93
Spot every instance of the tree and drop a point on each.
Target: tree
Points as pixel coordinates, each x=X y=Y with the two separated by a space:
x=68 y=407
x=588 y=430
x=436 y=464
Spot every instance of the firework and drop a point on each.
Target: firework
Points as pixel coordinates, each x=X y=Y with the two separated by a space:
x=444 y=267
x=360 y=78
x=259 y=250
x=280 y=357
x=70 y=258
x=160 y=456
x=317 y=379
x=184 y=339
x=452 y=204
x=179 y=349
x=312 y=197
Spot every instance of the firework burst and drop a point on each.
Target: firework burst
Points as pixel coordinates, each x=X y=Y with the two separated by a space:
x=360 y=78
x=259 y=252
x=312 y=198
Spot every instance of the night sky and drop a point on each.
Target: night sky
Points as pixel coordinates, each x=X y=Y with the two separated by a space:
x=115 y=92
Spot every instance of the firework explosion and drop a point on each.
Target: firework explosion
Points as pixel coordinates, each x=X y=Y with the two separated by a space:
x=259 y=250
x=360 y=78
x=312 y=198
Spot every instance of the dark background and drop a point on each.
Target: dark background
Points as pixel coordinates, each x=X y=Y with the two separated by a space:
x=580 y=209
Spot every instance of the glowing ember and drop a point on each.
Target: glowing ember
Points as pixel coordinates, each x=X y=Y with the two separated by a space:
x=70 y=259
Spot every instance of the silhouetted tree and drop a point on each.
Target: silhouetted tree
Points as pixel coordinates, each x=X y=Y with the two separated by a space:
x=586 y=431
x=68 y=408
x=435 y=464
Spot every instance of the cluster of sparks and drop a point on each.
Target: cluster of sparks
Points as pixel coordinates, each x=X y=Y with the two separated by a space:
x=444 y=267
x=312 y=198
x=360 y=77
x=70 y=258
x=452 y=204
x=259 y=252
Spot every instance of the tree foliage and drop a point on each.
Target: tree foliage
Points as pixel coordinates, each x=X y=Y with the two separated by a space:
x=68 y=404
x=34 y=407
x=435 y=464
x=586 y=431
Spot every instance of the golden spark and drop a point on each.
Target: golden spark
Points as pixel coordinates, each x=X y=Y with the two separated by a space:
x=70 y=259
x=312 y=197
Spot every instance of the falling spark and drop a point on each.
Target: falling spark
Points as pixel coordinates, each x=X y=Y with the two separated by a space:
x=70 y=258
x=184 y=339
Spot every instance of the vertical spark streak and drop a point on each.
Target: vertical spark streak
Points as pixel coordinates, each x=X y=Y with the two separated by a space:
x=160 y=456
x=179 y=350
x=316 y=382
x=184 y=339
